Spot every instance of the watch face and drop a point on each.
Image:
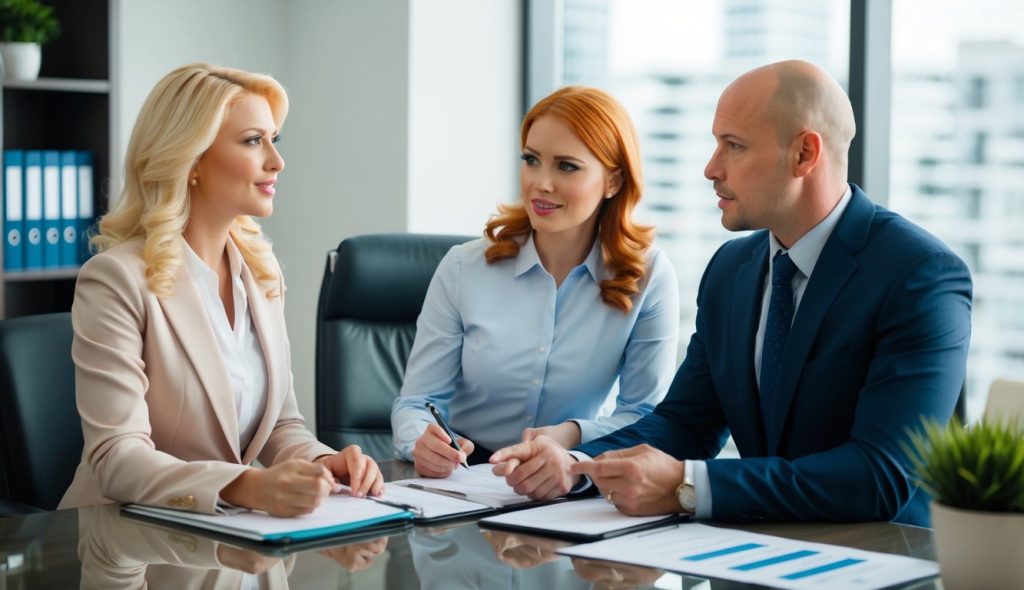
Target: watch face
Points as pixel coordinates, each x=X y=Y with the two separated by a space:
x=687 y=496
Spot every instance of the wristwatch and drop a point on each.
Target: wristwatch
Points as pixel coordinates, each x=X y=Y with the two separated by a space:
x=686 y=493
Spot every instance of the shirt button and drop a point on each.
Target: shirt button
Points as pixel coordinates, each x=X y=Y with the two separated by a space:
x=536 y=381
x=541 y=349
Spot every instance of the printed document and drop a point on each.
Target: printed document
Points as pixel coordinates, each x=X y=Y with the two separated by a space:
x=757 y=559
x=476 y=484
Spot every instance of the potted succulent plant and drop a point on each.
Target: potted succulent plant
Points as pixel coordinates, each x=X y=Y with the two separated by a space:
x=975 y=475
x=25 y=26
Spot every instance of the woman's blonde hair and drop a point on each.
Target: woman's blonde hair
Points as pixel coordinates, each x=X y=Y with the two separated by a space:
x=178 y=122
x=603 y=124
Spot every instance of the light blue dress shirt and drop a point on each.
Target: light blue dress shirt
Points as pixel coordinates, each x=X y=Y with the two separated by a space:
x=500 y=348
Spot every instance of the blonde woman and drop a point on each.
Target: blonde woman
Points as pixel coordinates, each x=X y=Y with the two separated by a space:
x=182 y=362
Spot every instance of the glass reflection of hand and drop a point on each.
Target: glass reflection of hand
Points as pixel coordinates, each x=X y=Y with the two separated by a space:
x=244 y=560
x=357 y=556
x=522 y=551
x=614 y=576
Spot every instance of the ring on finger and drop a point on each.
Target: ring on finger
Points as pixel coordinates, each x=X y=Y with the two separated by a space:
x=609 y=497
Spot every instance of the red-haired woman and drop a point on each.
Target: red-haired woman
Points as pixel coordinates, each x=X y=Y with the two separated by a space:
x=525 y=333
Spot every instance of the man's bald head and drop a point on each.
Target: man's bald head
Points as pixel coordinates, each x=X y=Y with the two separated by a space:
x=802 y=97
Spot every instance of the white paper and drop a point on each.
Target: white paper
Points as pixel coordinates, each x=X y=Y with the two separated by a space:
x=476 y=484
x=335 y=511
x=758 y=559
x=431 y=505
x=593 y=516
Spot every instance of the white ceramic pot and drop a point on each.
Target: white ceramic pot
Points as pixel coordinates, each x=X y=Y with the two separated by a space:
x=21 y=60
x=979 y=549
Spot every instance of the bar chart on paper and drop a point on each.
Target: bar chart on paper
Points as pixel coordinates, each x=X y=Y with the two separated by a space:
x=760 y=559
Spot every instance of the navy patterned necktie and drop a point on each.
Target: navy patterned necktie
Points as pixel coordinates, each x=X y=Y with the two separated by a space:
x=776 y=330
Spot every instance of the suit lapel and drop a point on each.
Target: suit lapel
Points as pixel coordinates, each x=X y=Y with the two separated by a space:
x=748 y=290
x=187 y=315
x=835 y=266
x=271 y=335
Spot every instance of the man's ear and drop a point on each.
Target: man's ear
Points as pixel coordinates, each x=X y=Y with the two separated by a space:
x=805 y=153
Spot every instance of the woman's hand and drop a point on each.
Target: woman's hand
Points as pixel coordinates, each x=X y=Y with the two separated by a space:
x=287 y=489
x=434 y=456
x=566 y=434
x=522 y=551
x=245 y=560
x=357 y=556
x=351 y=467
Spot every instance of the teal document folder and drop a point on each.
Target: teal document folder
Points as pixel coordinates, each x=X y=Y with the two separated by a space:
x=51 y=209
x=33 y=185
x=14 y=205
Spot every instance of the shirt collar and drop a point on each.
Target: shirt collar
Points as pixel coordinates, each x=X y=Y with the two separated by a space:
x=805 y=252
x=529 y=258
x=201 y=272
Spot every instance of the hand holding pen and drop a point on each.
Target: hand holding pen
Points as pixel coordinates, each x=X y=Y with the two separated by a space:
x=438 y=451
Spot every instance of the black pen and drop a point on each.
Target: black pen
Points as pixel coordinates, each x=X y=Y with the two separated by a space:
x=448 y=431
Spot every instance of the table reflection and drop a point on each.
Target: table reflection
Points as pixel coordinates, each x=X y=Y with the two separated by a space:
x=118 y=552
x=464 y=557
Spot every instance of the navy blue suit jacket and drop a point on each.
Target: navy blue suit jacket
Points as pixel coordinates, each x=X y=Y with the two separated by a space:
x=879 y=340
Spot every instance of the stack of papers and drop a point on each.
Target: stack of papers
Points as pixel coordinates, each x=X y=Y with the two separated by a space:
x=580 y=520
x=337 y=515
x=476 y=484
x=430 y=507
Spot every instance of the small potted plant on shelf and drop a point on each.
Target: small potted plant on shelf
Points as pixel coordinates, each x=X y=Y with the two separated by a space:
x=975 y=475
x=25 y=26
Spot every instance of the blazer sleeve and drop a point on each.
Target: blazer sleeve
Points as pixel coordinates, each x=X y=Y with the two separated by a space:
x=108 y=317
x=923 y=331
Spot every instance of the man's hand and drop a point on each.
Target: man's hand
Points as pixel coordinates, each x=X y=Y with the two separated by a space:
x=434 y=456
x=359 y=471
x=640 y=481
x=538 y=468
x=523 y=551
x=566 y=434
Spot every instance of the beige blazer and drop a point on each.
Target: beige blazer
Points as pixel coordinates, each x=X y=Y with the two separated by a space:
x=158 y=413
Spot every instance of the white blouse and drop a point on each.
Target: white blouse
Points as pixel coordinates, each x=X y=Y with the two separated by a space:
x=239 y=345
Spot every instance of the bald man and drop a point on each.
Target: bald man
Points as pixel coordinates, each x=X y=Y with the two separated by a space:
x=820 y=339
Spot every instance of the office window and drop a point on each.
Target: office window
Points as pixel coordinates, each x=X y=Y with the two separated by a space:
x=975 y=93
x=668 y=61
x=956 y=104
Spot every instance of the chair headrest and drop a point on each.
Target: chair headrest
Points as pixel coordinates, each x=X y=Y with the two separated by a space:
x=382 y=277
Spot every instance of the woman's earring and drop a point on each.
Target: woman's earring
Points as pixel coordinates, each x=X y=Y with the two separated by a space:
x=193 y=182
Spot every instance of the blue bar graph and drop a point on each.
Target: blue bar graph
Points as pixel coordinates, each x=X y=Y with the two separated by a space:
x=773 y=560
x=721 y=552
x=822 y=569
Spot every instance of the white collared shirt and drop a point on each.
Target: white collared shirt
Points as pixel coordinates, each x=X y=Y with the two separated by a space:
x=238 y=342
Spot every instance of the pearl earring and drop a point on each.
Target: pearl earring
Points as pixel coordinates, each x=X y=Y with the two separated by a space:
x=193 y=182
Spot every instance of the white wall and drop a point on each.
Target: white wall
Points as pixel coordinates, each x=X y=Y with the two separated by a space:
x=465 y=105
x=404 y=115
x=346 y=138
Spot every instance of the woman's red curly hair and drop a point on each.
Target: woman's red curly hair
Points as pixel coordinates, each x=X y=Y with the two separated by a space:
x=607 y=130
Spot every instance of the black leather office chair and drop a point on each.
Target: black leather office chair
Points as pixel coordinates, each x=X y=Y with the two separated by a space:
x=370 y=297
x=40 y=431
